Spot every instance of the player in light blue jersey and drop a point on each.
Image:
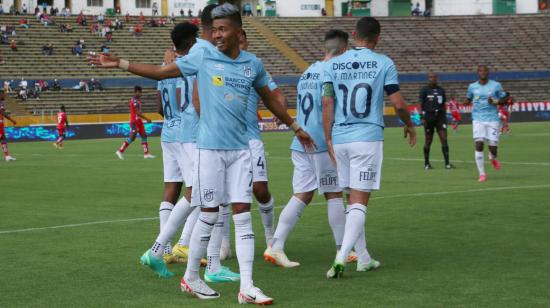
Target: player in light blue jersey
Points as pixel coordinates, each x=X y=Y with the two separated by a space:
x=353 y=121
x=226 y=77
x=312 y=171
x=485 y=95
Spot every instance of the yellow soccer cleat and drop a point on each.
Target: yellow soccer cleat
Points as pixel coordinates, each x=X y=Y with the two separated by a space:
x=170 y=258
x=182 y=253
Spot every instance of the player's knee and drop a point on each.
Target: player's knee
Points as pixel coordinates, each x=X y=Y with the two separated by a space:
x=261 y=192
x=333 y=195
x=172 y=192
x=239 y=208
x=305 y=197
x=493 y=143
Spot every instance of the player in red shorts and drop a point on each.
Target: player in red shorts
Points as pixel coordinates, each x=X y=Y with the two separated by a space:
x=504 y=115
x=3 y=115
x=62 y=124
x=455 y=113
x=136 y=126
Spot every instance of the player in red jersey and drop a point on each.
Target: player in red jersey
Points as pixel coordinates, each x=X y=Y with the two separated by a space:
x=62 y=124
x=136 y=126
x=504 y=111
x=455 y=113
x=3 y=115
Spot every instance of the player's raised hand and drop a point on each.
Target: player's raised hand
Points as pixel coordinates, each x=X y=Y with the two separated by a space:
x=169 y=56
x=306 y=141
x=410 y=132
x=103 y=60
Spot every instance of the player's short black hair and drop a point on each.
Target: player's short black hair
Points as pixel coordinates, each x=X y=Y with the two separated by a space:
x=336 y=33
x=62 y=108
x=368 y=28
x=335 y=41
x=137 y=88
x=182 y=35
x=229 y=11
x=206 y=17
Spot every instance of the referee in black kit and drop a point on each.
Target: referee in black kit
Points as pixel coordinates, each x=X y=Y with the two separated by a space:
x=434 y=116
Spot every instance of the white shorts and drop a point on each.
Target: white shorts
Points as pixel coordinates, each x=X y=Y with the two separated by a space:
x=259 y=164
x=314 y=171
x=486 y=131
x=222 y=176
x=359 y=164
x=173 y=162
x=188 y=163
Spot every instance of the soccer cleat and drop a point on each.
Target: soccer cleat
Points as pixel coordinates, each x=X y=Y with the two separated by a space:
x=181 y=252
x=449 y=166
x=482 y=178
x=224 y=274
x=495 y=163
x=198 y=289
x=157 y=265
x=56 y=145
x=428 y=167
x=352 y=257
x=170 y=258
x=336 y=271
x=120 y=155
x=278 y=258
x=254 y=296
x=10 y=158
x=225 y=253
x=146 y=156
x=371 y=265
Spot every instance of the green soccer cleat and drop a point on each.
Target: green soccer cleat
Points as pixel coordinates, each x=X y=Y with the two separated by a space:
x=371 y=265
x=156 y=264
x=336 y=271
x=223 y=275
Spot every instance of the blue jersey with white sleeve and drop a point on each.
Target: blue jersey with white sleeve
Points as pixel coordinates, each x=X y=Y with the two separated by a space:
x=171 y=110
x=252 y=126
x=479 y=95
x=189 y=117
x=225 y=85
x=309 y=107
x=359 y=77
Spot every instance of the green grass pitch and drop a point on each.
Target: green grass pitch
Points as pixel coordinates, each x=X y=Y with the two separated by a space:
x=443 y=239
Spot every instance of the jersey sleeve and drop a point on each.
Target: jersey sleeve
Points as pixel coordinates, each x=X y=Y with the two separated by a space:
x=391 y=74
x=271 y=84
x=499 y=91
x=261 y=79
x=189 y=64
x=470 y=93
x=159 y=86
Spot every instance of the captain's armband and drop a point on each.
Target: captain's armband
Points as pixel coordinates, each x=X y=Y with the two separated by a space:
x=328 y=89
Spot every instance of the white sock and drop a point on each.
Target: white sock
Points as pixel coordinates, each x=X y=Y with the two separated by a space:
x=267 y=212
x=355 y=224
x=188 y=227
x=360 y=247
x=165 y=210
x=288 y=218
x=491 y=156
x=244 y=245
x=180 y=212
x=213 y=250
x=225 y=211
x=199 y=242
x=337 y=219
x=480 y=163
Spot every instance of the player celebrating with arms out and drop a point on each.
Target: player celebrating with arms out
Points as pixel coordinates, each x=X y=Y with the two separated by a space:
x=62 y=125
x=485 y=95
x=3 y=115
x=353 y=121
x=226 y=77
x=136 y=126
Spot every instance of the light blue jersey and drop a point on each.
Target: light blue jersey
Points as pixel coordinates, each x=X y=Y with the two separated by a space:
x=479 y=95
x=200 y=44
x=171 y=110
x=359 y=77
x=252 y=126
x=225 y=85
x=309 y=107
x=189 y=117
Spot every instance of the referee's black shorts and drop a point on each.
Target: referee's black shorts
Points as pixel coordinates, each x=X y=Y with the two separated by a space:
x=435 y=121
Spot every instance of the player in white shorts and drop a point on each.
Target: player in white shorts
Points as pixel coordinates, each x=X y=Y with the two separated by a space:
x=485 y=95
x=312 y=171
x=353 y=121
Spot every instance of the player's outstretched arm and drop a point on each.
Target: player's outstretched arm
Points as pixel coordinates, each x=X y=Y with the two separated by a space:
x=156 y=72
x=403 y=113
x=328 y=122
x=280 y=112
x=9 y=118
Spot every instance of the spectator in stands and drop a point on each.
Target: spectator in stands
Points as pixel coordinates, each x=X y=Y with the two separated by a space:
x=182 y=13
x=259 y=9
x=323 y=12
x=7 y=86
x=12 y=10
x=13 y=32
x=13 y=45
x=155 y=9
x=95 y=85
x=101 y=18
x=46 y=19
x=190 y=13
x=104 y=48
x=162 y=22
x=152 y=23
x=24 y=9
x=55 y=85
x=427 y=13
x=118 y=24
x=47 y=50
x=141 y=17
x=24 y=23
x=68 y=28
x=4 y=38
x=3 y=28
x=64 y=12
x=138 y=30
x=127 y=18
x=247 y=9
x=43 y=84
x=83 y=86
x=36 y=10
x=172 y=18
x=415 y=11
x=81 y=19
x=108 y=34
x=196 y=21
x=77 y=50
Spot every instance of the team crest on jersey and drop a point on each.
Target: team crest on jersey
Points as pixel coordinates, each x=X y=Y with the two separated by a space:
x=247 y=71
x=208 y=194
x=217 y=81
x=219 y=66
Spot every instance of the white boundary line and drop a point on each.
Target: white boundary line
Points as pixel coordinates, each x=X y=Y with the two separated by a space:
x=315 y=203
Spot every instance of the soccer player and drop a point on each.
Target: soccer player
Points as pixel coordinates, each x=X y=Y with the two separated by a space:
x=485 y=95
x=455 y=113
x=223 y=165
x=62 y=125
x=312 y=171
x=3 y=115
x=136 y=126
x=504 y=111
x=434 y=117
x=353 y=121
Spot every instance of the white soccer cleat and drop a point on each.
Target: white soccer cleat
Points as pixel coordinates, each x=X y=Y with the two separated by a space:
x=279 y=258
x=225 y=253
x=10 y=158
x=198 y=289
x=146 y=156
x=120 y=155
x=254 y=296
x=371 y=265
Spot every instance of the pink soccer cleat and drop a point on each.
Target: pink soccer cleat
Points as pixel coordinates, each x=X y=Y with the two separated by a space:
x=495 y=163
x=482 y=178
